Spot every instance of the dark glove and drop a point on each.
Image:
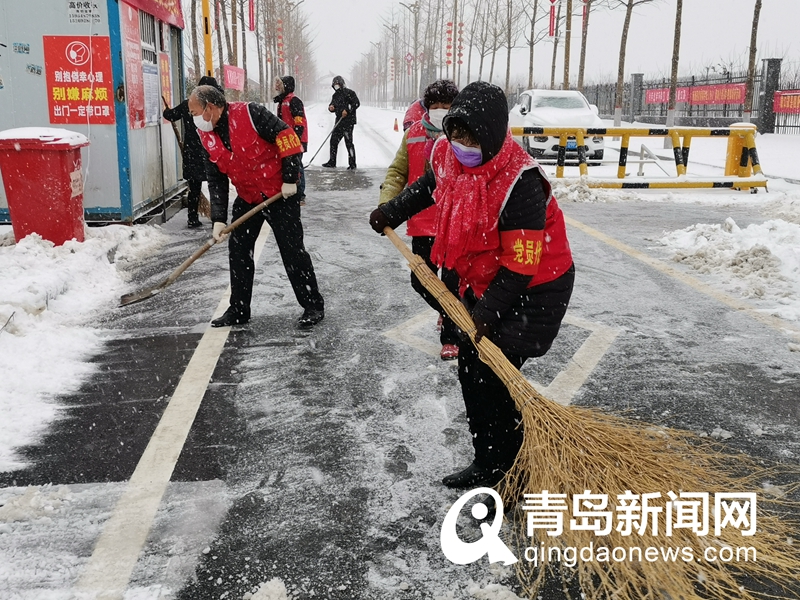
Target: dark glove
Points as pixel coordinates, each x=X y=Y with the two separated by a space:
x=378 y=220
x=482 y=329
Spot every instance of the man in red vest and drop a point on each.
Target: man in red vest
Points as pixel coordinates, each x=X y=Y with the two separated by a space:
x=259 y=154
x=292 y=112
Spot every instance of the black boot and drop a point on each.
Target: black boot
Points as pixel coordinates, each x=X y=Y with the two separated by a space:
x=194 y=222
x=474 y=476
x=329 y=165
x=231 y=317
x=311 y=316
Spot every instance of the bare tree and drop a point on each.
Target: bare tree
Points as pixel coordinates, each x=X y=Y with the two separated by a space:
x=220 y=53
x=513 y=29
x=555 y=50
x=567 y=44
x=673 y=78
x=244 y=46
x=227 y=32
x=751 y=66
x=587 y=9
x=629 y=6
x=195 y=51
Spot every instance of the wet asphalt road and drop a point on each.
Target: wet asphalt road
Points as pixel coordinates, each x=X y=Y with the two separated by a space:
x=326 y=447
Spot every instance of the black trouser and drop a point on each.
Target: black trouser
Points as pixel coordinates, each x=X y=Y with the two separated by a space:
x=494 y=420
x=343 y=131
x=283 y=217
x=421 y=246
x=193 y=198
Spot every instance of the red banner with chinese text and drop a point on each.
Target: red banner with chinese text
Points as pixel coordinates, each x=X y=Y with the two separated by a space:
x=786 y=102
x=132 y=57
x=168 y=11
x=79 y=79
x=234 y=78
x=166 y=77
x=727 y=93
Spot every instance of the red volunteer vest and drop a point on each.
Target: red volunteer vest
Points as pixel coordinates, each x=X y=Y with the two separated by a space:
x=418 y=146
x=286 y=117
x=544 y=254
x=253 y=164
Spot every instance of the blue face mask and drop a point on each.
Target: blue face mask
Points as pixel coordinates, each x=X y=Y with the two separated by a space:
x=466 y=155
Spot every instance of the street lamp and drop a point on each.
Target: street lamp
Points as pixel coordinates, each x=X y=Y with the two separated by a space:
x=395 y=29
x=414 y=9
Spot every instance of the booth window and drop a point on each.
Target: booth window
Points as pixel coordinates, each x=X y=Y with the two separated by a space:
x=147 y=26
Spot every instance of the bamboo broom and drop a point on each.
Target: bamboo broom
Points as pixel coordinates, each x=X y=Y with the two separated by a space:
x=569 y=450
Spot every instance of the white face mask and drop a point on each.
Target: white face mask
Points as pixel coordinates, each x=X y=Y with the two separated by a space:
x=336 y=87
x=436 y=116
x=202 y=124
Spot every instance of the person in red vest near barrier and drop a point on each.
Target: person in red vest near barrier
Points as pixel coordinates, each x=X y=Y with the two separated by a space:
x=499 y=226
x=261 y=156
x=410 y=163
x=292 y=112
x=414 y=113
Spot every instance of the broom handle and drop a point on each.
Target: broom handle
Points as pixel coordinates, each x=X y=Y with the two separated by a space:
x=487 y=350
x=174 y=127
x=210 y=243
x=322 y=145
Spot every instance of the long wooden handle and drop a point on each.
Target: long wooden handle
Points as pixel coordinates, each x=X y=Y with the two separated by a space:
x=210 y=243
x=174 y=127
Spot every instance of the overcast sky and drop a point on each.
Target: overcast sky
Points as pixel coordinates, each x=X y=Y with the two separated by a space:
x=714 y=32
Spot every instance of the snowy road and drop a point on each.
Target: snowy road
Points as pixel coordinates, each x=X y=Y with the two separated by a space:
x=315 y=457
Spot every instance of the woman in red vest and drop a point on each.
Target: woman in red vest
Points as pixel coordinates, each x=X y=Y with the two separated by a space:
x=292 y=112
x=410 y=163
x=499 y=226
x=259 y=154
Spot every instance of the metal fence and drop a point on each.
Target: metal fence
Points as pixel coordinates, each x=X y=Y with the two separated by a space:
x=702 y=113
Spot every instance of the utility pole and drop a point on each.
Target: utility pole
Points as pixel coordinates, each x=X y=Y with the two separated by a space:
x=414 y=9
x=207 y=39
x=394 y=28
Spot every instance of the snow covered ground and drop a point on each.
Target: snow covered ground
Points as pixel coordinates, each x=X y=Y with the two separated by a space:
x=51 y=297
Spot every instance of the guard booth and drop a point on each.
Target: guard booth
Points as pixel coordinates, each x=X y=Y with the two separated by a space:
x=100 y=68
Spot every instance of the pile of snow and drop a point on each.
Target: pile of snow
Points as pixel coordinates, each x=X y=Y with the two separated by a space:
x=785 y=206
x=274 y=589
x=577 y=190
x=761 y=261
x=48 y=296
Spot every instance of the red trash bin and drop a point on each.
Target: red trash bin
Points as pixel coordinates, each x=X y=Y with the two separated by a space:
x=41 y=169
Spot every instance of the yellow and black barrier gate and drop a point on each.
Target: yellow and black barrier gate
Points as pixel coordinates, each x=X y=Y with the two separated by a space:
x=742 y=168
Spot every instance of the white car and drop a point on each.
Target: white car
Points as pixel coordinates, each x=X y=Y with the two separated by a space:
x=556 y=108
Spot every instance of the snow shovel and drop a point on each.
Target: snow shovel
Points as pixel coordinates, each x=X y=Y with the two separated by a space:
x=152 y=291
x=203 y=205
x=573 y=449
x=323 y=144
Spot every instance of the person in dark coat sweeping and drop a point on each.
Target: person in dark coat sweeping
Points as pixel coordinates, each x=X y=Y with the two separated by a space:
x=194 y=155
x=499 y=226
x=344 y=103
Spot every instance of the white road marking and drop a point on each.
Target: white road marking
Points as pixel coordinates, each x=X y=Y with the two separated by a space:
x=563 y=387
x=734 y=303
x=117 y=550
x=568 y=381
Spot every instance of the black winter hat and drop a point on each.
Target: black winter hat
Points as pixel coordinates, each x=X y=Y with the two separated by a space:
x=441 y=90
x=483 y=109
x=206 y=80
x=288 y=84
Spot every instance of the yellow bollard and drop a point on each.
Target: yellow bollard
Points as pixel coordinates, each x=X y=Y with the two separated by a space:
x=737 y=158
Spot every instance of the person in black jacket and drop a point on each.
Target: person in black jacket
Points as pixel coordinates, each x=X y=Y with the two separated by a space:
x=344 y=103
x=194 y=155
x=499 y=226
